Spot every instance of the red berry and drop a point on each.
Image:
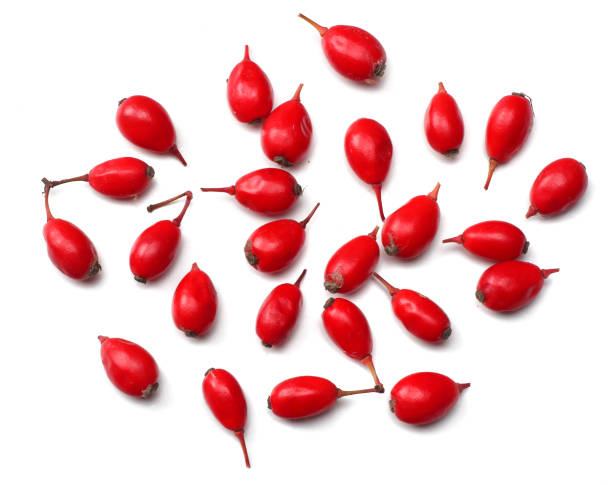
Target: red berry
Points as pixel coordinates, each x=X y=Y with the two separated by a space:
x=154 y=249
x=194 y=304
x=249 y=91
x=494 y=240
x=273 y=246
x=368 y=150
x=129 y=367
x=267 y=190
x=348 y=327
x=69 y=249
x=286 y=133
x=424 y=397
x=353 y=52
x=507 y=129
x=420 y=315
x=558 y=187
x=279 y=312
x=352 y=264
x=305 y=396
x=443 y=123
x=510 y=285
x=225 y=399
x=146 y=123
x=410 y=229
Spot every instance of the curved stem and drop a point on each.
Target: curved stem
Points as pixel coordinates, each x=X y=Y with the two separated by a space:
x=492 y=166
x=81 y=178
x=374 y=233
x=390 y=288
x=434 y=193
x=298 y=91
x=231 y=190
x=300 y=278
x=456 y=239
x=322 y=30
x=179 y=218
x=377 y=190
x=240 y=435
x=309 y=216
x=367 y=360
x=342 y=393
x=46 y=192
x=175 y=151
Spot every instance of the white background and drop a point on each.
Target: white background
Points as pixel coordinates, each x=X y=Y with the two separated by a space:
x=538 y=410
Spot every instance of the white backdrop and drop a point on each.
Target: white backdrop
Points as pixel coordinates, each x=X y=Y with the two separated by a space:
x=538 y=410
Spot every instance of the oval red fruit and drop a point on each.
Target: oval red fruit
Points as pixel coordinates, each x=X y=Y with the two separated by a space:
x=424 y=397
x=194 y=304
x=444 y=123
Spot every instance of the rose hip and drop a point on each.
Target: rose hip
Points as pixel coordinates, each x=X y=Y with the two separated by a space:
x=494 y=240
x=129 y=367
x=410 y=229
x=305 y=396
x=424 y=397
x=368 y=150
x=154 y=249
x=225 y=399
x=510 y=285
x=273 y=246
x=558 y=187
x=146 y=123
x=352 y=264
x=286 y=133
x=279 y=312
x=352 y=52
x=444 y=123
x=122 y=178
x=194 y=304
x=267 y=191
x=420 y=315
x=348 y=327
x=69 y=249
x=249 y=91
x=507 y=129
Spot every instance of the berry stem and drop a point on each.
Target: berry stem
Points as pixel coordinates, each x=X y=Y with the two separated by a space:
x=298 y=91
x=175 y=151
x=547 y=272
x=240 y=435
x=377 y=190
x=492 y=166
x=367 y=360
x=342 y=393
x=457 y=239
x=462 y=387
x=231 y=190
x=179 y=218
x=374 y=233
x=246 y=53
x=102 y=338
x=81 y=178
x=46 y=192
x=532 y=211
x=390 y=288
x=322 y=30
x=300 y=278
x=434 y=193
x=441 y=88
x=309 y=216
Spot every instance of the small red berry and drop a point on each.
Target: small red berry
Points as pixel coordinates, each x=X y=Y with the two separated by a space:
x=443 y=123
x=194 y=304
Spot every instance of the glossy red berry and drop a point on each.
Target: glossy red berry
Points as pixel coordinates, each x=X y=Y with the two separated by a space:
x=279 y=312
x=510 y=285
x=146 y=123
x=129 y=367
x=507 y=129
x=494 y=240
x=421 y=316
x=368 y=149
x=226 y=400
x=69 y=249
x=558 y=187
x=286 y=133
x=305 y=396
x=424 y=397
x=352 y=264
x=154 y=249
x=348 y=327
x=268 y=190
x=408 y=231
x=194 y=304
x=249 y=91
x=444 y=123
x=273 y=246
x=352 y=52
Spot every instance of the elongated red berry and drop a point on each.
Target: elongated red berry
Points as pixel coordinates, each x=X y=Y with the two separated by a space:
x=444 y=123
x=154 y=249
x=368 y=149
x=273 y=246
x=146 y=123
x=494 y=240
x=421 y=316
x=510 y=285
x=226 y=400
x=352 y=264
x=409 y=230
x=305 y=396
x=194 y=304
x=424 y=397
x=249 y=91
x=129 y=367
x=557 y=187
x=352 y=52
x=286 y=133
x=69 y=248
x=507 y=129
x=279 y=312
x=268 y=190
x=348 y=327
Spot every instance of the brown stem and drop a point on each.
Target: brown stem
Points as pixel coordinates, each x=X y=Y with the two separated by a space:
x=240 y=435
x=175 y=151
x=367 y=360
x=300 y=278
x=320 y=29
x=246 y=53
x=296 y=96
x=377 y=190
x=390 y=288
x=231 y=190
x=342 y=393
x=456 y=239
x=374 y=233
x=81 y=178
x=179 y=218
x=46 y=192
x=434 y=193
x=441 y=88
x=309 y=216
x=492 y=166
